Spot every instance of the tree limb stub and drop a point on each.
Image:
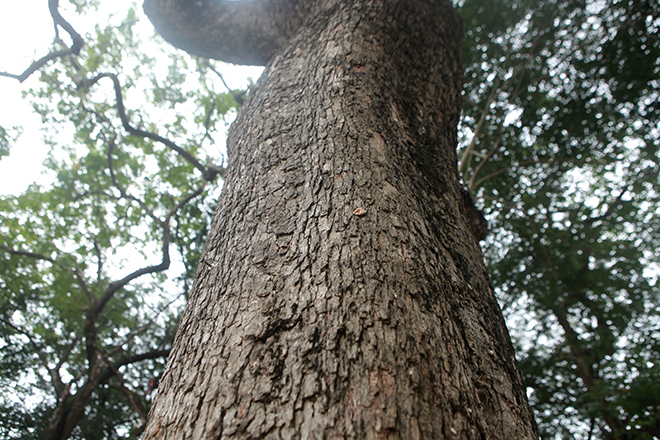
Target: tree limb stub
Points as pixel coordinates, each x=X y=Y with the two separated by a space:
x=241 y=32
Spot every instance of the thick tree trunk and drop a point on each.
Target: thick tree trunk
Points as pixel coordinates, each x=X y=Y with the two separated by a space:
x=341 y=293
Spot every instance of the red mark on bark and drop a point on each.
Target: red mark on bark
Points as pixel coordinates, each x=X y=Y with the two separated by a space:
x=357 y=67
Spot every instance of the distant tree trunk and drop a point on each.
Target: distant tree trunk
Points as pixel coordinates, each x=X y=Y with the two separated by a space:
x=341 y=293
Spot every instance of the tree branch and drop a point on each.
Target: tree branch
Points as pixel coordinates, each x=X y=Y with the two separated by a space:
x=524 y=164
x=128 y=360
x=114 y=286
x=485 y=159
x=35 y=255
x=185 y=200
x=246 y=32
x=238 y=97
x=58 y=20
x=56 y=379
x=585 y=370
x=121 y=110
x=144 y=327
x=130 y=395
x=124 y=194
x=497 y=88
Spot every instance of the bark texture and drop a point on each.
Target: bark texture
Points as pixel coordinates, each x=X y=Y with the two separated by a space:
x=341 y=293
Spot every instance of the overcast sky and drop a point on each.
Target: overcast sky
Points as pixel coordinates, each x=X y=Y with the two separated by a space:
x=26 y=30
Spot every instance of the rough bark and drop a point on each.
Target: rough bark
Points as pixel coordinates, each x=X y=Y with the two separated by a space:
x=310 y=319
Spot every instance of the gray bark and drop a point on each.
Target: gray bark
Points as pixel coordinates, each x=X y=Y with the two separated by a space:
x=341 y=293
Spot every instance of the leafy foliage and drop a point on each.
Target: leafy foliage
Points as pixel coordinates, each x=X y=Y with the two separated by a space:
x=7 y=136
x=87 y=314
x=560 y=143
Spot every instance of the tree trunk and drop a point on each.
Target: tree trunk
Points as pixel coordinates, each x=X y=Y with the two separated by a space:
x=341 y=293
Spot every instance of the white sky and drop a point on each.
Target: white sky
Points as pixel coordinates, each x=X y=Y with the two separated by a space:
x=26 y=31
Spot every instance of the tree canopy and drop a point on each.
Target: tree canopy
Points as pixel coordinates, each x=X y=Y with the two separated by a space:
x=88 y=313
x=559 y=149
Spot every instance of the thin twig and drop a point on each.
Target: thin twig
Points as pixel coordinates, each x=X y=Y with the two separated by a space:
x=207 y=174
x=58 y=384
x=125 y=193
x=74 y=49
x=237 y=97
x=527 y=163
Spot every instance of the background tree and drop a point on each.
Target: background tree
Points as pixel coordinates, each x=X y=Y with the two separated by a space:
x=559 y=138
x=87 y=315
x=561 y=148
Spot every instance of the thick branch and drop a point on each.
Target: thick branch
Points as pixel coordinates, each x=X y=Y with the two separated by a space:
x=115 y=286
x=28 y=254
x=78 y=42
x=107 y=373
x=239 y=32
x=586 y=371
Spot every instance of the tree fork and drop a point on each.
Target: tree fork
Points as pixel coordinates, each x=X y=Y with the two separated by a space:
x=308 y=320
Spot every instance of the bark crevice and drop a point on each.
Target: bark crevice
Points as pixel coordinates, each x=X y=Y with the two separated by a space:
x=309 y=321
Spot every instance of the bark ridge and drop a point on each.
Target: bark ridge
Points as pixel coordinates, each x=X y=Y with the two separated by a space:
x=342 y=293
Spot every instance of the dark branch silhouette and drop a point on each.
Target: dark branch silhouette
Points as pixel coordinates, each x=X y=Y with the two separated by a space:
x=74 y=49
x=208 y=173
